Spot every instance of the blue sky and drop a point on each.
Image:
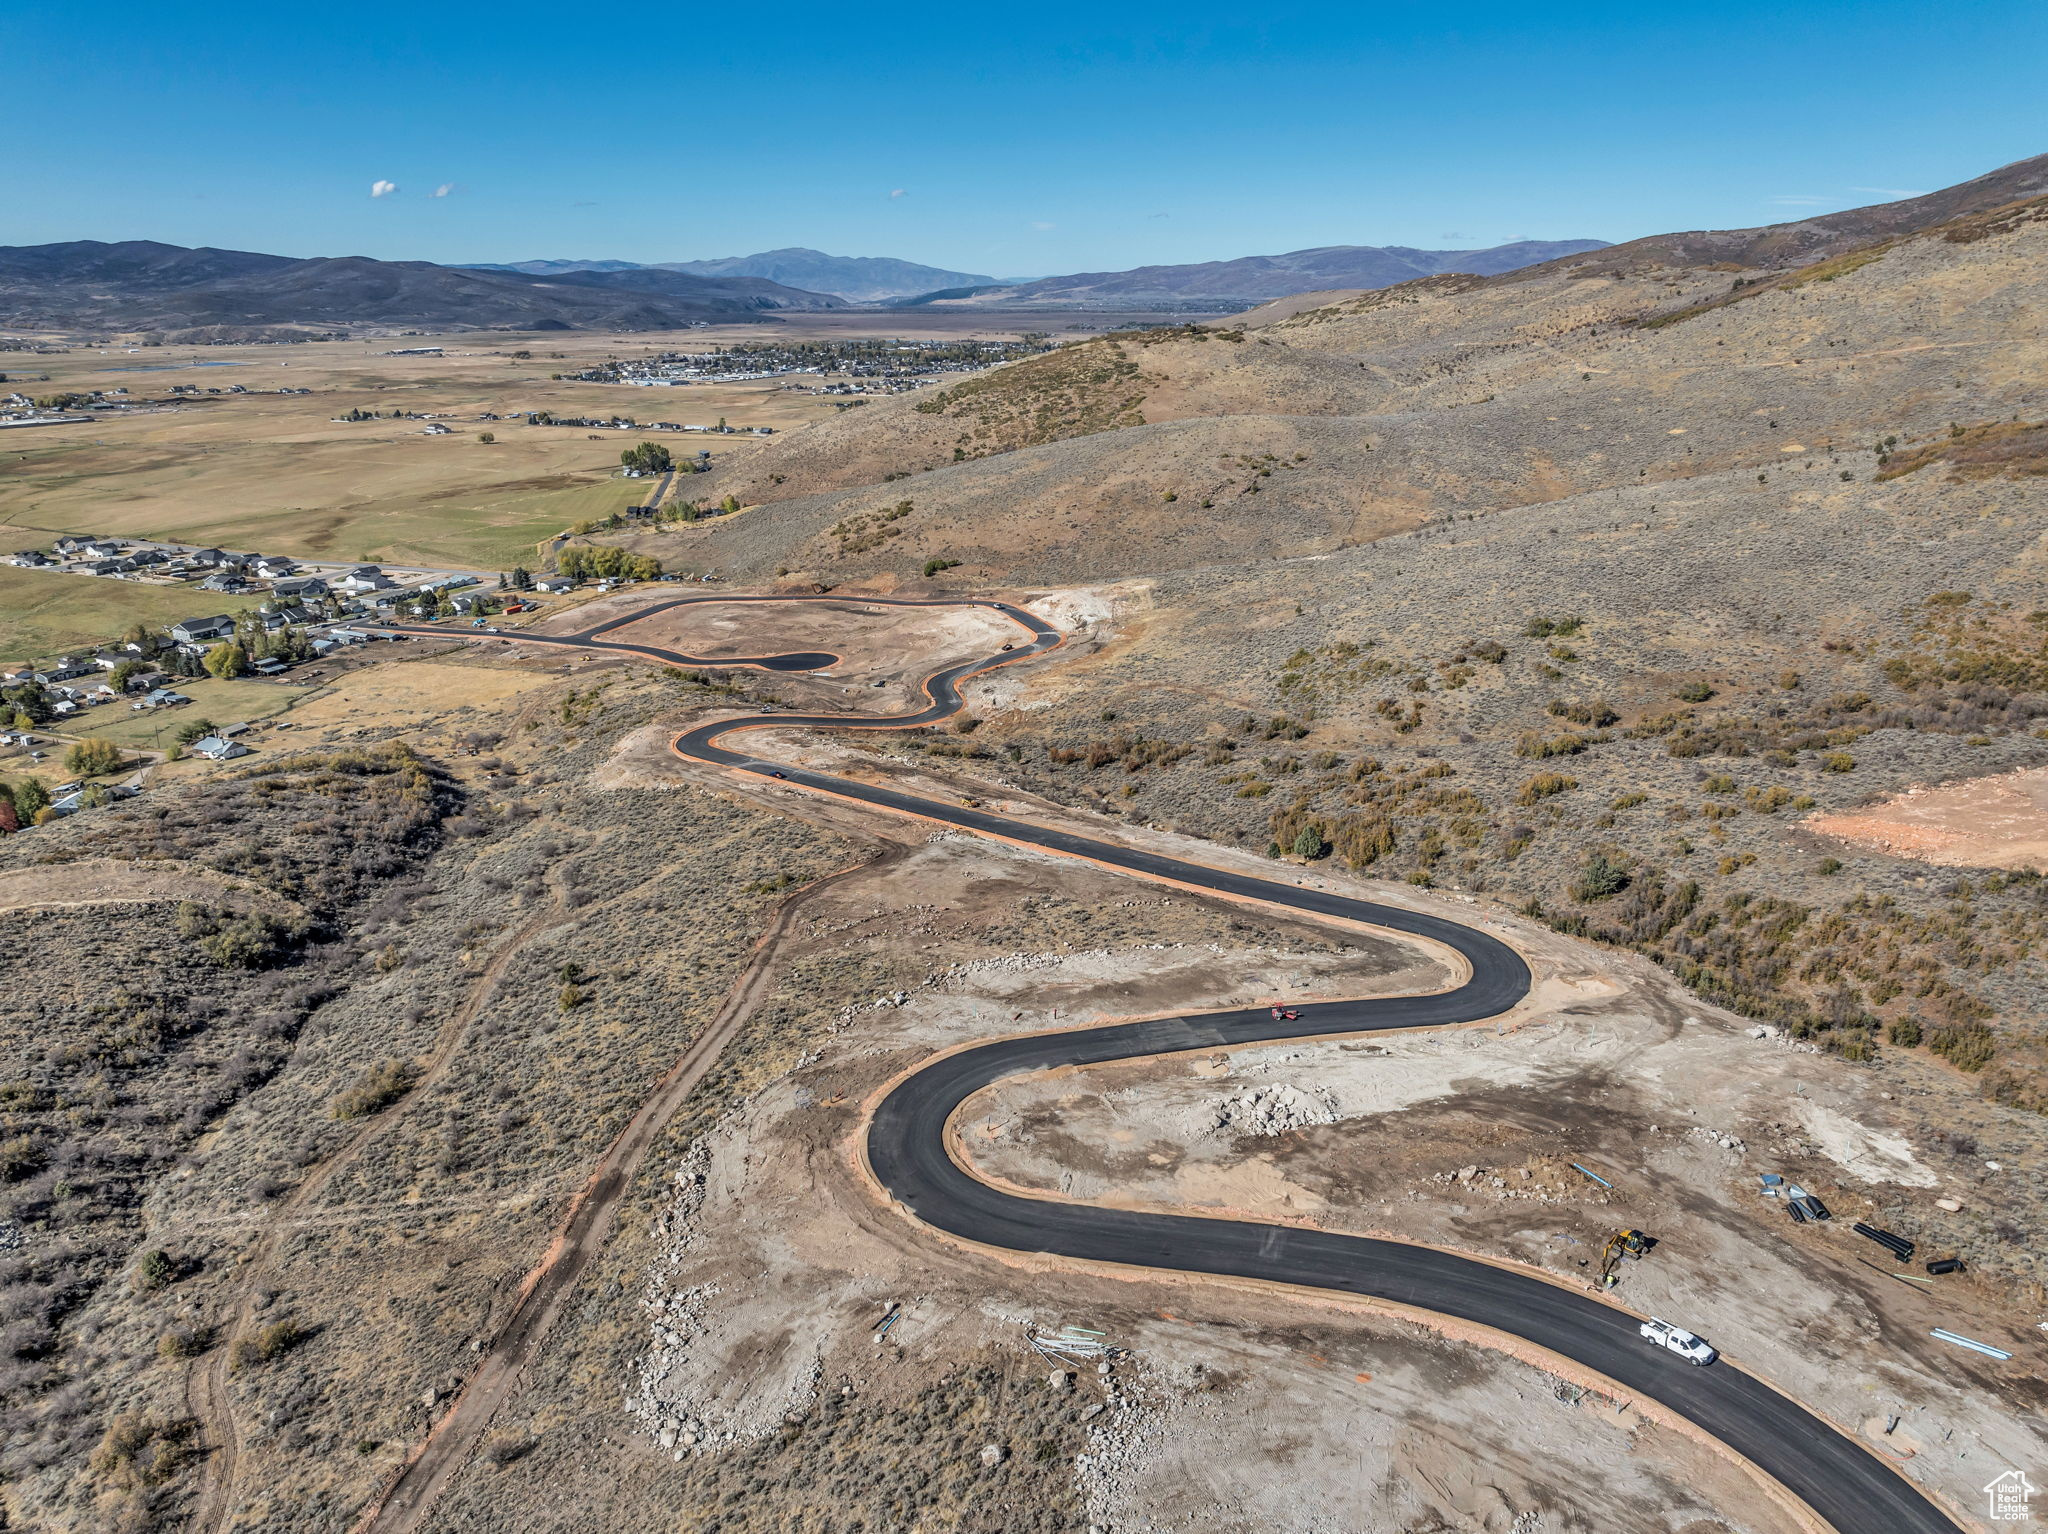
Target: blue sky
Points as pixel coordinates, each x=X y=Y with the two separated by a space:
x=1010 y=140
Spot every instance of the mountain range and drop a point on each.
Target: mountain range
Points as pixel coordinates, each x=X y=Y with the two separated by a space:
x=863 y=279
x=203 y=293
x=1253 y=279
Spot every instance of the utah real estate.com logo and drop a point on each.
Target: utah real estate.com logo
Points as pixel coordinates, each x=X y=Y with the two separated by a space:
x=2009 y=1496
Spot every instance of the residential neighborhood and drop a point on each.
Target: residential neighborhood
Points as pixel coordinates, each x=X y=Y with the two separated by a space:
x=305 y=614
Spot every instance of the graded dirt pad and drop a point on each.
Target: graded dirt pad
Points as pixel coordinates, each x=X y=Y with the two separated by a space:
x=1999 y=822
x=748 y=1321
x=894 y=645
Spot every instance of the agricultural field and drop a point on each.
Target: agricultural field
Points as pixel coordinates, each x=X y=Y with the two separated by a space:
x=278 y=473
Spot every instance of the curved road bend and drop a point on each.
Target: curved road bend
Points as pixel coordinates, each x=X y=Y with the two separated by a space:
x=1848 y=1486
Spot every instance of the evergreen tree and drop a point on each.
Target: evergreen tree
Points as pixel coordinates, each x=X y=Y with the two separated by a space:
x=31 y=798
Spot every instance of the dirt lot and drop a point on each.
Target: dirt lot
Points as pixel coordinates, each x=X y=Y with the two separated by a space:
x=871 y=642
x=439 y=697
x=1999 y=822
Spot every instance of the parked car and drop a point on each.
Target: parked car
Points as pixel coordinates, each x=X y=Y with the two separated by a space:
x=1694 y=1350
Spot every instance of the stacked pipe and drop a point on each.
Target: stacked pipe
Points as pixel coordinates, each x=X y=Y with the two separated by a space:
x=1898 y=1246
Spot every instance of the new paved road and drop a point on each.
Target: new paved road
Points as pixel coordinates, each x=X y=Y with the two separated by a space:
x=906 y=1146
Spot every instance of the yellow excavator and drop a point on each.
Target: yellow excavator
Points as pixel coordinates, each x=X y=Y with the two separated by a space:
x=1630 y=1244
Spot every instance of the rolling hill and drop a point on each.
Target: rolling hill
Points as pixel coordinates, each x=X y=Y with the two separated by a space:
x=1449 y=395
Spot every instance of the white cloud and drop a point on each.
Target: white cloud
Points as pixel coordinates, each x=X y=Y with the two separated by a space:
x=1804 y=202
x=898 y=192
x=1888 y=191
x=1041 y=227
x=383 y=188
x=445 y=189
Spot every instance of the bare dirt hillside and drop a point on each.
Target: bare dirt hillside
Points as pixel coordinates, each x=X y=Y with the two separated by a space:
x=1181 y=448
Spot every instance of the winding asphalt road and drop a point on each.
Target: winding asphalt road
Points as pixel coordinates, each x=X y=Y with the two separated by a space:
x=1834 y=1475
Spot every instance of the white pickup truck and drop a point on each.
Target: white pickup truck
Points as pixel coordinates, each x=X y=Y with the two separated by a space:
x=1694 y=1350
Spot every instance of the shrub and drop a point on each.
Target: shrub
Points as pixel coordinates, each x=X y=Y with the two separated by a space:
x=1535 y=745
x=266 y=1346
x=1695 y=692
x=384 y=1085
x=1968 y=1048
x=1838 y=761
x=1599 y=877
x=155 y=1271
x=21 y=1156
x=254 y=941
x=182 y=1342
x=139 y=1450
x=1309 y=844
x=1905 y=1032
x=1364 y=840
x=1829 y=867
x=934 y=566
x=1597 y=713
x=1543 y=786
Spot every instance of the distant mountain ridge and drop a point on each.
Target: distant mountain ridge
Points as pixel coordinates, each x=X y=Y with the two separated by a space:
x=1255 y=279
x=141 y=285
x=863 y=279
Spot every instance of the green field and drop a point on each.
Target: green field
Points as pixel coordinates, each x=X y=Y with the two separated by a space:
x=369 y=499
x=44 y=614
x=476 y=533
x=223 y=703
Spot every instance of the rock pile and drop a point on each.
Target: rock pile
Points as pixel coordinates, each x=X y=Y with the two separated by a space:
x=1273 y=1111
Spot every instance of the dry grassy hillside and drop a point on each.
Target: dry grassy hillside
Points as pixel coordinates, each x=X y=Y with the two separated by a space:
x=1447 y=397
x=1621 y=710
x=306 y=1152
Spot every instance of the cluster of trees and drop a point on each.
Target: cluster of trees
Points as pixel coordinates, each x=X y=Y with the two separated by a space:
x=25 y=704
x=692 y=511
x=93 y=758
x=26 y=803
x=648 y=457
x=441 y=604
x=605 y=563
